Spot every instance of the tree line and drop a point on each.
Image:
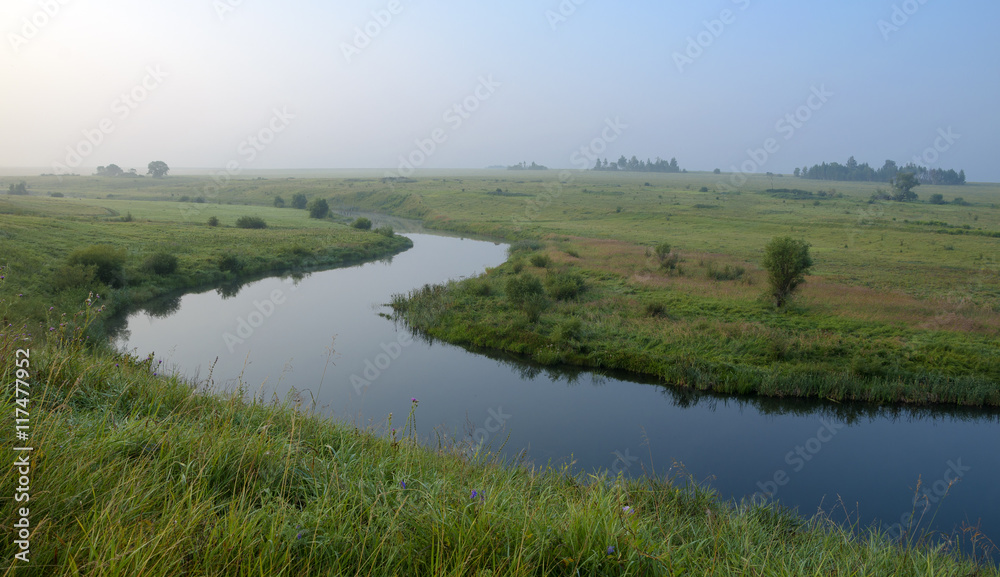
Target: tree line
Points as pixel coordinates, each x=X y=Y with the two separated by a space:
x=887 y=173
x=635 y=165
x=157 y=168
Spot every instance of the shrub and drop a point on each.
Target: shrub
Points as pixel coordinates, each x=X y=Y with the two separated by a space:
x=279 y=202
x=56 y=194
x=523 y=246
x=786 y=260
x=230 y=263
x=71 y=276
x=319 y=208
x=385 y=230
x=127 y=218
x=184 y=198
x=213 y=221
x=668 y=259
x=568 y=331
x=478 y=287
x=540 y=260
x=703 y=189
x=250 y=222
x=108 y=262
x=728 y=272
x=525 y=292
x=161 y=263
x=564 y=286
x=18 y=189
x=960 y=201
x=299 y=200
x=937 y=198
x=362 y=223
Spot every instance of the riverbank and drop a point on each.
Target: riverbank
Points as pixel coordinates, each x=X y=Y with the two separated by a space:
x=139 y=473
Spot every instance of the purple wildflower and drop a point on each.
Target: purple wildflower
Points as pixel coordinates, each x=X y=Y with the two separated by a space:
x=402 y=484
x=611 y=550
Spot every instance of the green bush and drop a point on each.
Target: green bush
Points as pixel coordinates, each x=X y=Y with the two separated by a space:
x=279 y=202
x=318 y=208
x=728 y=272
x=937 y=198
x=108 y=262
x=385 y=230
x=478 y=287
x=72 y=276
x=523 y=246
x=668 y=259
x=299 y=200
x=230 y=263
x=787 y=261
x=161 y=263
x=213 y=221
x=362 y=223
x=56 y=194
x=250 y=222
x=525 y=292
x=564 y=285
x=540 y=260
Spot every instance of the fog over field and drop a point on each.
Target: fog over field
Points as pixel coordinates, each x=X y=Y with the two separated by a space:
x=740 y=85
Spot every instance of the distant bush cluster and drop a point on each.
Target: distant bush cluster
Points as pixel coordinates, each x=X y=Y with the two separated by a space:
x=250 y=222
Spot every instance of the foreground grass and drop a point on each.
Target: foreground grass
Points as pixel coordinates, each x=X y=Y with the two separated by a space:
x=138 y=474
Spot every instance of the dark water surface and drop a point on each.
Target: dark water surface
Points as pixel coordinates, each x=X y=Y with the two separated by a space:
x=275 y=334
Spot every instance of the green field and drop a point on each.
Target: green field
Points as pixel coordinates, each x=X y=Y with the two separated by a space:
x=143 y=474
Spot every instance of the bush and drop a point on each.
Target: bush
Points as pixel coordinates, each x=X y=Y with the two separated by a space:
x=213 y=221
x=668 y=259
x=478 y=287
x=250 y=222
x=18 y=189
x=279 y=202
x=127 y=218
x=523 y=246
x=230 y=263
x=319 y=208
x=108 y=262
x=540 y=260
x=56 y=194
x=564 y=286
x=728 y=272
x=161 y=263
x=71 y=276
x=362 y=223
x=937 y=198
x=960 y=201
x=656 y=310
x=786 y=260
x=703 y=189
x=385 y=230
x=525 y=292
x=299 y=200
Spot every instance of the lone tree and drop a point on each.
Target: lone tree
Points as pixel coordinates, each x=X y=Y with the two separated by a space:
x=299 y=200
x=19 y=189
x=318 y=208
x=903 y=187
x=158 y=169
x=786 y=260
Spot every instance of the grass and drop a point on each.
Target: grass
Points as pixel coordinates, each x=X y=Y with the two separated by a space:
x=142 y=474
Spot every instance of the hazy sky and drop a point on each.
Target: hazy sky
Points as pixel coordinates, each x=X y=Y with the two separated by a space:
x=191 y=82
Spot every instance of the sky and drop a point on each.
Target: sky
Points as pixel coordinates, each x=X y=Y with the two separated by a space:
x=740 y=85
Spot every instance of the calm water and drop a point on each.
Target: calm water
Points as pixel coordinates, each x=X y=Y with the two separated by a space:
x=324 y=336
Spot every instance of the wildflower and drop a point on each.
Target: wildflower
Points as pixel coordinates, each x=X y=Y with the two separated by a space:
x=299 y=536
x=414 y=400
x=473 y=496
x=627 y=510
x=611 y=550
x=402 y=484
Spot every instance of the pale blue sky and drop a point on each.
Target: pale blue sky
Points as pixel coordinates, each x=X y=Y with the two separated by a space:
x=888 y=95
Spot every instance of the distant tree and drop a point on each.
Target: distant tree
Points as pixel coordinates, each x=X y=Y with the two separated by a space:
x=319 y=208
x=18 y=189
x=213 y=221
x=797 y=172
x=717 y=171
x=299 y=200
x=279 y=202
x=113 y=170
x=362 y=223
x=937 y=198
x=903 y=187
x=786 y=261
x=158 y=169
x=132 y=172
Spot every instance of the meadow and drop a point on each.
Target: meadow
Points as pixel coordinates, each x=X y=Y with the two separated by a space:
x=143 y=473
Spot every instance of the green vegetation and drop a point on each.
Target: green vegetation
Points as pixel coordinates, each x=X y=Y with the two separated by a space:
x=786 y=261
x=140 y=473
x=250 y=222
x=318 y=208
x=362 y=223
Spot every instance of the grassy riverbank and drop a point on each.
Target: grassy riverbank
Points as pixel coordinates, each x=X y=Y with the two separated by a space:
x=135 y=473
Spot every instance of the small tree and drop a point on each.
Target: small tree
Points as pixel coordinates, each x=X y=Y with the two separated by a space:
x=299 y=200
x=319 y=208
x=937 y=198
x=786 y=261
x=668 y=260
x=250 y=222
x=213 y=221
x=279 y=202
x=903 y=187
x=19 y=189
x=362 y=223
x=158 y=169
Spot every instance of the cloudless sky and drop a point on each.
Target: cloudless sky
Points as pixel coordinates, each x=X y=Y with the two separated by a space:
x=226 y=65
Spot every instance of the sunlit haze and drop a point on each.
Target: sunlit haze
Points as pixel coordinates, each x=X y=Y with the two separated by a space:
x=199 y=83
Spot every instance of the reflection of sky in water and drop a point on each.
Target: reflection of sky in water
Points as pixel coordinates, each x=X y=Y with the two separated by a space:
x=871 y=464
